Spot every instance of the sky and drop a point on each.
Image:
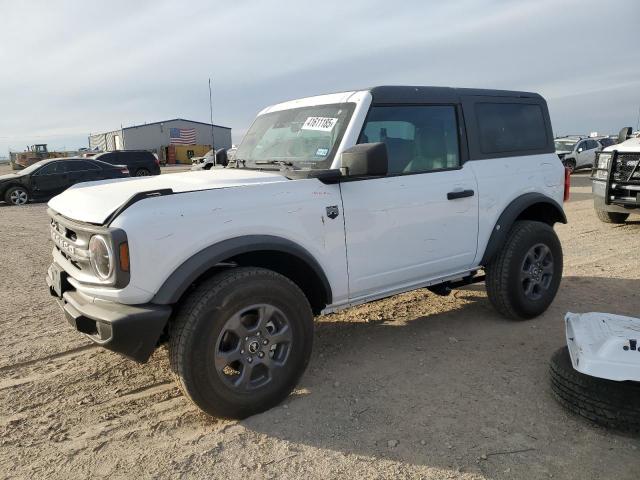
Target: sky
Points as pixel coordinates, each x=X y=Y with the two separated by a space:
x=71 y=68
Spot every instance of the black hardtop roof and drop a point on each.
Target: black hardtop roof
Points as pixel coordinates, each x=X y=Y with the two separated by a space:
x=419 y=94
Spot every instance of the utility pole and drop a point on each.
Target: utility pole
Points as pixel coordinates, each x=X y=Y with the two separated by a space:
x=213 y=145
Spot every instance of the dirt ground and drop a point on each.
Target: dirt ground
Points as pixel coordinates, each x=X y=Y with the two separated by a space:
x=414 y=386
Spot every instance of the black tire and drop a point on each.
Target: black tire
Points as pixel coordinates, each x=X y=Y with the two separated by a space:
x=606 y=402
x=570 y=164
x=611 y=217
x=142 y=172
x=513 y=296
x=17 y=195
x=201 y=328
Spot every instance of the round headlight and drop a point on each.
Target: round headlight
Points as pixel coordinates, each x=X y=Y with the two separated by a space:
x=101 y=257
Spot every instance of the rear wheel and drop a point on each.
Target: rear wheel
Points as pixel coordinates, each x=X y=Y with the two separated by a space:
x=16 y=196
x=241 y=341
x=523 y=278
x=606 y=402
x=611 y=217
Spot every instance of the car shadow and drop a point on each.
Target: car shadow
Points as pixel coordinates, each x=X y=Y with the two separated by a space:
x=450 y=381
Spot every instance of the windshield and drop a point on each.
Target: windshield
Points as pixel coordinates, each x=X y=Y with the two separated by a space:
x=308 y=137
x=566 y=146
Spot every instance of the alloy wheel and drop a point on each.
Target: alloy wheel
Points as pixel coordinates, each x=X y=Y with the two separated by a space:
x=536 y=272
x=19 y=197
x=253 y=347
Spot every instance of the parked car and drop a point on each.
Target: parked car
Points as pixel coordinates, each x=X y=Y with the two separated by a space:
x=577 y=153
x=334 y=200
x=616 y=181
x=211 y=160
x=203 y=158
x=47 y=178
x=140 y=163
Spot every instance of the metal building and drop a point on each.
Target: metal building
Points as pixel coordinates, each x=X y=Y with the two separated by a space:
x=157 y=136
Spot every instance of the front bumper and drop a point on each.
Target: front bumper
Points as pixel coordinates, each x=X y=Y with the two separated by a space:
x=131 y=330
x=617 y=203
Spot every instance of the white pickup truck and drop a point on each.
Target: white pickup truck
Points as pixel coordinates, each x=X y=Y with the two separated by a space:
x=616 y=181
x=332 y=201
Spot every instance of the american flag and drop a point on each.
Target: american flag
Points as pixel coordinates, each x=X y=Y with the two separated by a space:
x=182 y=136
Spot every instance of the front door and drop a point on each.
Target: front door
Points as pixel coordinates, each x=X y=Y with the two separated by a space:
x=50 y=180
x=420 y=222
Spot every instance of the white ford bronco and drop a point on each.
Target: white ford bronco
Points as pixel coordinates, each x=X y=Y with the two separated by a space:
x=332 y=201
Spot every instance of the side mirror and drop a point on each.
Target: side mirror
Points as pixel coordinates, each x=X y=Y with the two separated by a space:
x=580 y=150
x=365 y=159
x=624 y=134
x=221 y=157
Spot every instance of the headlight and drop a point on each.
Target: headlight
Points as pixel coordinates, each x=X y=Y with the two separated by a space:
x=101 y=257
x=600 y=175
x=603 y=161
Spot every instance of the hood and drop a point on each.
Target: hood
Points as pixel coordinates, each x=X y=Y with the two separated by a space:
x=93 y=202
x=9 y=176
x=631 y=145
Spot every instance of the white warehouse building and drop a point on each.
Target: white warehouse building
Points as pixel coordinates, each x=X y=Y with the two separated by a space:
x=157 y=136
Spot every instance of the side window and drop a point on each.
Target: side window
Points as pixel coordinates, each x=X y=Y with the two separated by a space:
x=582 y=146
x=592 y=144
x=52 y=168
x=510 y=127
x=107 y=157
x=80 y=166
x=418 y=138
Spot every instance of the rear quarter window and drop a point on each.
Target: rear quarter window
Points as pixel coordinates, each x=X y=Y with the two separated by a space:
x=106 y=157
x=510 y=127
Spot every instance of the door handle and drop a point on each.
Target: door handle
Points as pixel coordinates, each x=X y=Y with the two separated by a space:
x=460 y=194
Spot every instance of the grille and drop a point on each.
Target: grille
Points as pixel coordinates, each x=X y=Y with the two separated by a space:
x=624 y=166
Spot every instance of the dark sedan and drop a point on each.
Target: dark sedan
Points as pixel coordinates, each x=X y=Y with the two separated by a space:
x=48 y=178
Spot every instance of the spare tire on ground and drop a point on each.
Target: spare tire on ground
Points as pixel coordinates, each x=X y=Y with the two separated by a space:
x=606 y=402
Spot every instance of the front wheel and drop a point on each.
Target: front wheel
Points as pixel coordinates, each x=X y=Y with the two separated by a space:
x=240 y=341
x=16 y=196
x=523 y=278
x=611 y=217
x=142 y=172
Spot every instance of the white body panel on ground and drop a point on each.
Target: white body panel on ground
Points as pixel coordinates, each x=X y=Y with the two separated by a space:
x=604 y=345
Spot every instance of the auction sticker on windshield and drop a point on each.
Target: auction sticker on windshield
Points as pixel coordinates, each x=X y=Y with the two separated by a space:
x=324 y=124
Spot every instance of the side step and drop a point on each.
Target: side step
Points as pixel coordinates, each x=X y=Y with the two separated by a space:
x=444 y=289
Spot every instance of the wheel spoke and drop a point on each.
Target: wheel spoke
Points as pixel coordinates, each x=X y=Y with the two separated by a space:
x=236 y=326
x=281 y=336
x=222 y=359
x=528 y=289
x=265 y=314
x=244 y=380
x=525 y=275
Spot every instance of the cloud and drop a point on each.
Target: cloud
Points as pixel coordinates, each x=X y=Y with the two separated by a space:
x=71 y=67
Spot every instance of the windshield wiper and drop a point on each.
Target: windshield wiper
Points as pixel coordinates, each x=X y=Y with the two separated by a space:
x=281 y=163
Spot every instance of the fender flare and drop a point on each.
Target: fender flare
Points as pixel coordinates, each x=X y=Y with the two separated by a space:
x=191 y=269
x=511 y=213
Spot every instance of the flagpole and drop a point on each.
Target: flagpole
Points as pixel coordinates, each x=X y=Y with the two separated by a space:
x=213 y=145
